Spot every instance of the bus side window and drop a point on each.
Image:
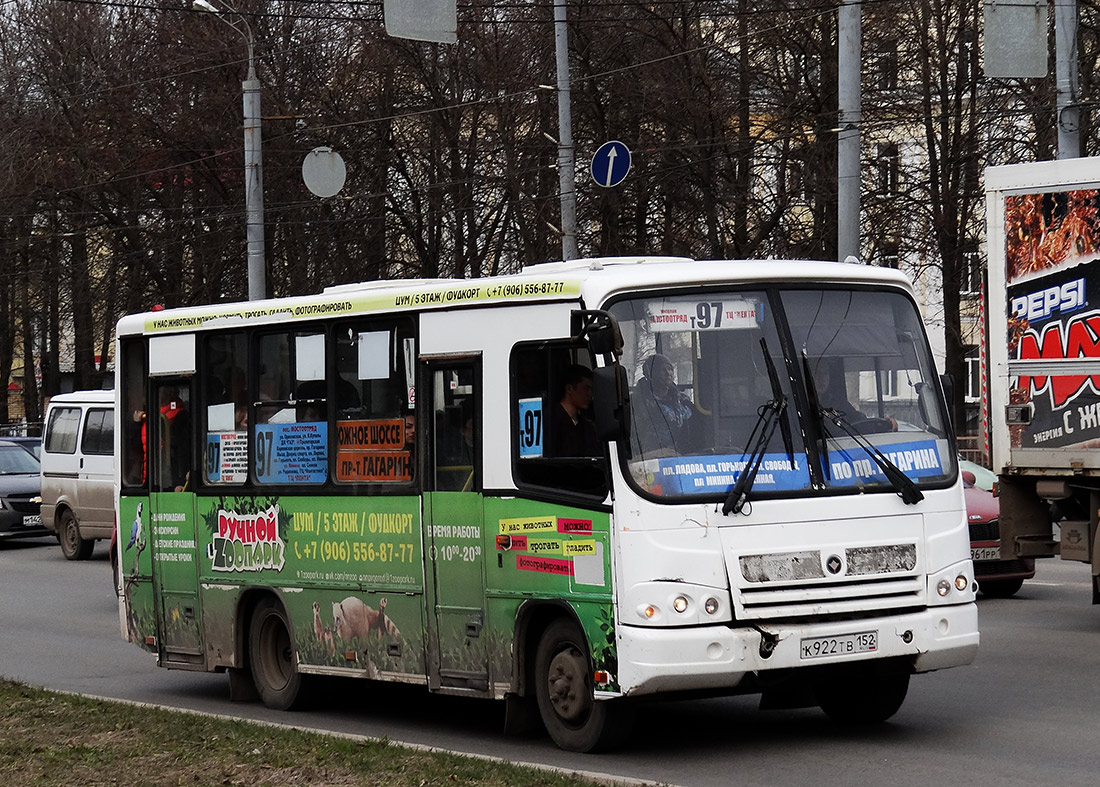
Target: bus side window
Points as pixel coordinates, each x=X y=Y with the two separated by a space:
x=289 y=442
x=554 y=447
x=133 y=413
x=374 y=402
x=225 y=408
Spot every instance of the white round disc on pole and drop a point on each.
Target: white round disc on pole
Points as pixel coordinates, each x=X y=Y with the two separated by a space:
x=324 y=172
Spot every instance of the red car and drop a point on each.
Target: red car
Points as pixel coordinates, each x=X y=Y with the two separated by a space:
x=996 y=577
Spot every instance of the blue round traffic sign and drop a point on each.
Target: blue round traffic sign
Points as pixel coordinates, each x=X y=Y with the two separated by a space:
x=610 y=164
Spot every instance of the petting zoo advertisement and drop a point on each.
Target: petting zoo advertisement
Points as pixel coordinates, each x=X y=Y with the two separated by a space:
x=1054 y=312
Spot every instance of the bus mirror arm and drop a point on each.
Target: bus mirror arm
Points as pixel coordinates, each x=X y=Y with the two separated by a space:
x=599 y=329
x=611 y=402
x=947 y=382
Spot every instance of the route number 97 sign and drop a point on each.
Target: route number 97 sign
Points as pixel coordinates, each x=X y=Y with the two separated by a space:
x=703 y=315
x=530 y=428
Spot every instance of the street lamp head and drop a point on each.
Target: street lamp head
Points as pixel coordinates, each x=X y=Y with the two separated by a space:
x=203 y=5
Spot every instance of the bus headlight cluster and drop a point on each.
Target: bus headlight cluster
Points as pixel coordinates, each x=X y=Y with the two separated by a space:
x=683 y=606
x=951 y=583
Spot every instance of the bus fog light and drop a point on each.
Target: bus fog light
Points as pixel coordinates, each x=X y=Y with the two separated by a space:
x=961 y=582
x=711 y=605
x=680 y=604
x=944 y=587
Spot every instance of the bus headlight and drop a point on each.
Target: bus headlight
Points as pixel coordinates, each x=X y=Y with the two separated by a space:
x=953 y=585
x=671 y=603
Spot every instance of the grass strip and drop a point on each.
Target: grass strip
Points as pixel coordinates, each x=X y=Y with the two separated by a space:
x=49 y=739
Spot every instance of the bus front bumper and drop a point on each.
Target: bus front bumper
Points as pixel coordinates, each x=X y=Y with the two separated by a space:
x=717 y=657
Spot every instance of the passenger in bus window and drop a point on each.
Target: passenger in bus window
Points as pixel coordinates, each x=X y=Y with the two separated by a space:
x=571 y=433
x=832 y=393
x=176 y=438
x=662 y=410
x=312 y=405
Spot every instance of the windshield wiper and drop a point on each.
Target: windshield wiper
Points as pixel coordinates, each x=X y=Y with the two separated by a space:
x=902 y=483
x=815 y=407
x=769 y=414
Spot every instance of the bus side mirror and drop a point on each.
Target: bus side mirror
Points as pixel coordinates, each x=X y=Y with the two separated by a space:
x=611 y=402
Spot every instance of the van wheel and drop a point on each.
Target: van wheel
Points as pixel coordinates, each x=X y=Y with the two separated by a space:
x=271 y=656
x=563 y=686
x=73 y=547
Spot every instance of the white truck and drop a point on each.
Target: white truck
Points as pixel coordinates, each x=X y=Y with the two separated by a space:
x=1044 y=357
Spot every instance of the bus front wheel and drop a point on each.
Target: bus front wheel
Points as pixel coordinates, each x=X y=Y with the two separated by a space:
x=271 y=656
x=563 y=686
x=867 y=692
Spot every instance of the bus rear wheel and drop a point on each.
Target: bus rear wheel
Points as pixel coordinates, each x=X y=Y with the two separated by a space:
x=271 y=656
x=73 y=545
x=863 y=693
x=563 y=687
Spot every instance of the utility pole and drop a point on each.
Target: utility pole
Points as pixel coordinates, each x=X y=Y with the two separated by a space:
x=253 y=157
x=847 y=147
x=566 y=157
x=1065 y=75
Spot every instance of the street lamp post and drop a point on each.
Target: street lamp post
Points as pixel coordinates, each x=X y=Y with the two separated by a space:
x=253 y=157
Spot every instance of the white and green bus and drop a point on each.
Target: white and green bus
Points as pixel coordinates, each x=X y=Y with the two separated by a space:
x=588 y=482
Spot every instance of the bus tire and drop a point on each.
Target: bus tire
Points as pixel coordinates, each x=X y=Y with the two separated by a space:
x=863 y=693
x=73 y=546
x=563 y=688
x=271 y=657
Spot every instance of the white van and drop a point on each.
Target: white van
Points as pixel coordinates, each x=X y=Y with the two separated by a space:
x=78 y=499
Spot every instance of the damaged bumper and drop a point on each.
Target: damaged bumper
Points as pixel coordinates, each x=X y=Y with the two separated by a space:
x=718 y=657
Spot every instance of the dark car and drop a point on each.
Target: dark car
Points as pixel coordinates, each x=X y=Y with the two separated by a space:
x=996 y=577
x=33 y=445
x=20 y=493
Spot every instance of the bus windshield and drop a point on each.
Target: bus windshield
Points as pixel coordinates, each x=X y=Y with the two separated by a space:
x=812 y=390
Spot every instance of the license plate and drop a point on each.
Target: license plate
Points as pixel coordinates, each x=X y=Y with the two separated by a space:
x=843 y=645
x=32 y=520
x=985 y=553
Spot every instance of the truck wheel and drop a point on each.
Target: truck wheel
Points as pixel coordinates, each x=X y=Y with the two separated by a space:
x=73 y=547
x=869 y=692
x=1000 y=588
x=271 y=656
x=563 y=687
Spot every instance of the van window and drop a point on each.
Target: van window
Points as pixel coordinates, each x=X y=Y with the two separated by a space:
x=99 y=432
x=61 y=430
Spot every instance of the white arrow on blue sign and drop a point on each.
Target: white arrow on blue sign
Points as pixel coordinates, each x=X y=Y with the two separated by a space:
x=610 y=164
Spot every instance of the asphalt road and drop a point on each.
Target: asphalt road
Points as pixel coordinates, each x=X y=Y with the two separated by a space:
x=1026 y=713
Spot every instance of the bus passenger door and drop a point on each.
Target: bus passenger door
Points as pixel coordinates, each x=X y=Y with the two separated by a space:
x=172 y=533
x=454 y=512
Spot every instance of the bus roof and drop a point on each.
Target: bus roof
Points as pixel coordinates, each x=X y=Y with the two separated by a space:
x=589 y=280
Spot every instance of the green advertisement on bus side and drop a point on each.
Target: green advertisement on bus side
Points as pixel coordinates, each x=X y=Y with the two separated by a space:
x=333 y=540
